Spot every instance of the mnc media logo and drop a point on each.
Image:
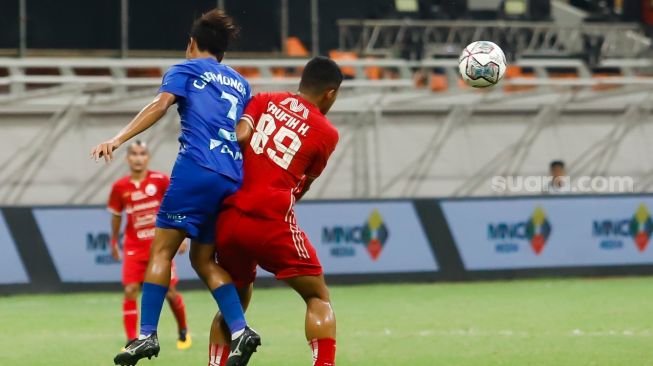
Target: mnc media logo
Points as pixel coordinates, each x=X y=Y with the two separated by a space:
x=345 y=240
x=611 y=232
x=509 y=235
x=99 y=245
x=641 y=227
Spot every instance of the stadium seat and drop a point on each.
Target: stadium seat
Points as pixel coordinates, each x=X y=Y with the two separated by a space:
x=605 y=74
x=249 y=72
x=348 y=71
x=438 y=83
x=152 y=72
x=295 y=48
x=373 y=72
x=517 y=72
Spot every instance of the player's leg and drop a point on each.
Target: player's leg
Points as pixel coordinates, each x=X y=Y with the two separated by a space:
x=157 y=277
x=176 y=302
x=133 y=271
x=290 y=256
x=155 y=287
x=232 y=236
x=130 y=310
x=220 y=337
x=202 y=258
x=320 y=318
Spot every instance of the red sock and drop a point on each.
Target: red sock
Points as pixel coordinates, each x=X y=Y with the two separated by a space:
x=324 y=351
x=179 y=309
x=130 y=318
x=218 y=354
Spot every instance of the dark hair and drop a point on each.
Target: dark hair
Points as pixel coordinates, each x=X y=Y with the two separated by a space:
x=213 y=32
x=320 y=74
x=137 y=143
x=556 y=163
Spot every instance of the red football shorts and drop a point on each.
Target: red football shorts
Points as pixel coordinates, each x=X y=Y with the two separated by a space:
x=135 y=266
x=279 y=247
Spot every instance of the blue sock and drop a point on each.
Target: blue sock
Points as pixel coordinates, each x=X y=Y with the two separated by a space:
x=229 y=303
x=151 y=304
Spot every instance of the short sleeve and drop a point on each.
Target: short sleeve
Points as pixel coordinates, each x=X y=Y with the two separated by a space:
x=115 y=205
x=174 y=82
x=165 y=182
x=320 y=161
x=254 y=109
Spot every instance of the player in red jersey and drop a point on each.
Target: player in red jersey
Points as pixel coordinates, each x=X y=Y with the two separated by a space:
x=139 y=195
x=286 y=140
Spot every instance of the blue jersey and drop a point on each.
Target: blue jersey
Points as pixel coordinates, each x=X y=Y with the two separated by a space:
x=210 y=99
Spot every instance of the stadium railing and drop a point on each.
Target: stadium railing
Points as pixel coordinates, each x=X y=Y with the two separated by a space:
x=23 y=78
x=389 y=38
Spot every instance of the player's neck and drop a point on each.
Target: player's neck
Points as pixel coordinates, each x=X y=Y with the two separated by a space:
x=309 y=98
x=204 y=54
x=138 y=176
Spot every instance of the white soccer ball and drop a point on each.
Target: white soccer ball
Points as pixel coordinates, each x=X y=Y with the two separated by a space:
x=482 y=64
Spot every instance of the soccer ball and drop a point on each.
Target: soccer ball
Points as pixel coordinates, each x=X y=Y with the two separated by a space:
x=482 y=64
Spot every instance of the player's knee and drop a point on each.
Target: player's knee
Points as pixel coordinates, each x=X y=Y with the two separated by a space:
x=131 y=291
x=320 y=312
x=200 y=265
x=201 y=257
x=162 y=252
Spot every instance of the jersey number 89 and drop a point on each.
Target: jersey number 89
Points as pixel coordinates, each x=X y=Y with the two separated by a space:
x=267 y=127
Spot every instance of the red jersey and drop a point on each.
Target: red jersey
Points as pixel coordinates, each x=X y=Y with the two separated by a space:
x=292 y=140
x=141 y=201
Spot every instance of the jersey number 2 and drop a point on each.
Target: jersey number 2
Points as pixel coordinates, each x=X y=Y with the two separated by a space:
x=267 y=127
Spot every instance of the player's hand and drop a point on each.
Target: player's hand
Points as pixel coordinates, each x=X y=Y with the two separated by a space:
x=183 y=247
x=115 y=253
x=105 y=150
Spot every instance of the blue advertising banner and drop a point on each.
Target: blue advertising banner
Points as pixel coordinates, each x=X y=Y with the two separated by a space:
x=78 y=240
x=367 y=237
x=551 y=232
x=350 y=238
x=12 y=270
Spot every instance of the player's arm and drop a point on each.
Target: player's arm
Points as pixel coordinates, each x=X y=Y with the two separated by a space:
x=116 y=220
x=244 y=131
x=318 y=165
x=115 y=207
x=245 y=127
x=306 y=187
x=148 y=116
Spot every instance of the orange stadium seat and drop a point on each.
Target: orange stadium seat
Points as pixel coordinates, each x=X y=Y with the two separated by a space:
x=152 y=72
x=438 y=83
x=373 y=72
x=515 y=72
x=348 y=71
x=295 y=48
x=605 y=74
x=249 y=72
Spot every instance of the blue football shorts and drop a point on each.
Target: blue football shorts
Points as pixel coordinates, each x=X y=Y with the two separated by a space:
x=193 y=199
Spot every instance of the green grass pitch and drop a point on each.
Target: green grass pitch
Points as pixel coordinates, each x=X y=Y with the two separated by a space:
x=540 y=322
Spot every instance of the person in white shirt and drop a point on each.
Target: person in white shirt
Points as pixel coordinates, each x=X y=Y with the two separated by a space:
x=560 y=182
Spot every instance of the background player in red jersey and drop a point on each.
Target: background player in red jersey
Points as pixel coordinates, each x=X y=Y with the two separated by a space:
x=287 y=141
x=139 y=195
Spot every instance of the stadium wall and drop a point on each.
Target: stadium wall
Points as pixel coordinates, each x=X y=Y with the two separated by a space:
x=395 y=154
x=58 y=249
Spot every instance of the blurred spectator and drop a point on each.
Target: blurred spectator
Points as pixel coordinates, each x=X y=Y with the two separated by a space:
x=560 y=183
x=592 y=45
x=412 y=47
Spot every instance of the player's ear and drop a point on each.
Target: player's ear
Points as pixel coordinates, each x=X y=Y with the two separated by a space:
x=190 y=48
x=332 y=94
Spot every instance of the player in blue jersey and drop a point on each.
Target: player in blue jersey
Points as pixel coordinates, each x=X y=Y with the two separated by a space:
x=210 y=98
